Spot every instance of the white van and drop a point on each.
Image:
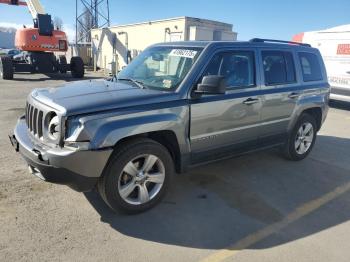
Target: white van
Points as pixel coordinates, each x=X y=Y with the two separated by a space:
x=334 y=45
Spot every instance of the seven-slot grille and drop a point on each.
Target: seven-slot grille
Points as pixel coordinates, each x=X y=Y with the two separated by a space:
x=34 y=119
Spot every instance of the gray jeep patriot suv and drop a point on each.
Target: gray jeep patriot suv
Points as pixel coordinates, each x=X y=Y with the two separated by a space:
x=175 y=106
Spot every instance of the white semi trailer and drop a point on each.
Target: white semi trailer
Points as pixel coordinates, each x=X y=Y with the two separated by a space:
x=334 y=45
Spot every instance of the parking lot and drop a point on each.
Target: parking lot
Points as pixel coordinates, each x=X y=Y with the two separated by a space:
x=257 y=207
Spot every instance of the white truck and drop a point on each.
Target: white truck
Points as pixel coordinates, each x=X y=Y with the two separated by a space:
x=334 y=45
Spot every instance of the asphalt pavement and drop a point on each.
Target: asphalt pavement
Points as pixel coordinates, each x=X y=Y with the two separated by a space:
x=257 y=207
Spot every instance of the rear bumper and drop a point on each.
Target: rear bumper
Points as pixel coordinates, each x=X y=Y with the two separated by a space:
x=79 y=170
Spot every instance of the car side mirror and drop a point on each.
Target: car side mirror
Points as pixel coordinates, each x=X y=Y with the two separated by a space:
x=211 y=85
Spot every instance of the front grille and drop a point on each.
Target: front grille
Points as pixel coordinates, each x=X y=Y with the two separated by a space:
x=34 y=119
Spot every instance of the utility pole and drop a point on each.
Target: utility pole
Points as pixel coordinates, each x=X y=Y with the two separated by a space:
x=97 y=12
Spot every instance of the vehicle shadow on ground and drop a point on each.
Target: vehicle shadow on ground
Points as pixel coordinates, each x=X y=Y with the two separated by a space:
x=44 y=77
x=214 y=206
x=340 y=105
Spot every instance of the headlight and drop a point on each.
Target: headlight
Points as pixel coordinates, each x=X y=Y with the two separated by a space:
x=54 y=128
x=52 y=124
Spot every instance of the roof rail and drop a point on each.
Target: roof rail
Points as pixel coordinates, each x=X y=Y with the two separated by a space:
x=261 y=40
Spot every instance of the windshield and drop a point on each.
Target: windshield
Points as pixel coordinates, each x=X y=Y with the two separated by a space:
x=161 y=67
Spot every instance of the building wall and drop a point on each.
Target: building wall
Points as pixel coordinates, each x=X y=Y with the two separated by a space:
x=203 y=29
x=7 y=38
x=109 y=45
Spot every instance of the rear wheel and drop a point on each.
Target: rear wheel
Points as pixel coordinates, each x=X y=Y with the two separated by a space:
x=6 y=68
x=137 y=176
x=302 y=138
x=77 y=67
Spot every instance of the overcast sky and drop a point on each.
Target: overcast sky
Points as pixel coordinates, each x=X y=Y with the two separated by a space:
x=250 y=18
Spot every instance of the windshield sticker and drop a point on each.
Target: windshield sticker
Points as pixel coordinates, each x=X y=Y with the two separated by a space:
x=167 y=83
x=183 y=53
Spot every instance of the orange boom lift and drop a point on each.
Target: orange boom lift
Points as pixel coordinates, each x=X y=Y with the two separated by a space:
x=39 y=44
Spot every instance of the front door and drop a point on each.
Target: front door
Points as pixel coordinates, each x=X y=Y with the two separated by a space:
x=222 y=124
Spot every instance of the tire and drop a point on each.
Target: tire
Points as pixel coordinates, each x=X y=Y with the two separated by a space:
x=77 y=67
x=62 y=62
x=115 y=178
x=6 y=68
x=292 y=149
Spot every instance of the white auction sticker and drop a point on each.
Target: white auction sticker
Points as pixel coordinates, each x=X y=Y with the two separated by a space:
x=183 y=53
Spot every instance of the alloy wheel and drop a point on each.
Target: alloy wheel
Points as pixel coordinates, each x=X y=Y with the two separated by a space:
x=141 y=179
x=304 y=138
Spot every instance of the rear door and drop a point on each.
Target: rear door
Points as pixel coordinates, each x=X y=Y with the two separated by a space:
x=279 y=93
x=224 y=123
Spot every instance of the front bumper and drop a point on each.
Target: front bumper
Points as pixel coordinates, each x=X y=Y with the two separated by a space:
x=78 y=169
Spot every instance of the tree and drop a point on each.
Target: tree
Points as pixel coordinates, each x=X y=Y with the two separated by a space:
x=57 y=23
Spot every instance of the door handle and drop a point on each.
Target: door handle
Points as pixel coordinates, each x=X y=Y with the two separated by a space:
x=294 y=95
x=251 y=101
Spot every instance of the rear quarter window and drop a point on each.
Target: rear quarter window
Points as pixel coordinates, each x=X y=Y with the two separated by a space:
x=310 y=67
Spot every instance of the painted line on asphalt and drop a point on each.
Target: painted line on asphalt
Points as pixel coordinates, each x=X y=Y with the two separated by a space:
x=265 y=232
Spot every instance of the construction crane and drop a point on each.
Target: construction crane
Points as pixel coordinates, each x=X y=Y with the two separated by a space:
x=38 y=45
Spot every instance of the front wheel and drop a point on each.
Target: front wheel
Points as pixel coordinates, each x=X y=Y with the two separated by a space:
x=137 y=176
x=302 y=138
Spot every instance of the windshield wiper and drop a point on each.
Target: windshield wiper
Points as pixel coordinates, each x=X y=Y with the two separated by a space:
x=140 y=84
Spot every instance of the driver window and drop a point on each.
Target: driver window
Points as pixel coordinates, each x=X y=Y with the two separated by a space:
x=238 y=68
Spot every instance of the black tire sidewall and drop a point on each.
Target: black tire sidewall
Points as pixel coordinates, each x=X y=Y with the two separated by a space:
x=77 y=67
x=6 y=68
x=304 y=118
x=116 y=164
x=62 y=61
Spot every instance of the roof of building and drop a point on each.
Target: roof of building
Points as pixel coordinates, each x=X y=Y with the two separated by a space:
x=173 y=19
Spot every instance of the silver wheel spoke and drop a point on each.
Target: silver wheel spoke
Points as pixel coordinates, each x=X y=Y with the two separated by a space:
x=302 y=148
x=297 y=143
x=308 y=139
x=157 y=178
x=307 y=129
x=300 y=131
x=150 y=160
x=126 y=190
x=143 y=194
x=131 y=169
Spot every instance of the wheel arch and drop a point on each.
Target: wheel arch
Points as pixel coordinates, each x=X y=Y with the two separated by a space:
x=316 y=110
x=166 y=138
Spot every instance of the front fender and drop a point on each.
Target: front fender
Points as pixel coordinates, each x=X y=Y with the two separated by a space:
x=107 y=131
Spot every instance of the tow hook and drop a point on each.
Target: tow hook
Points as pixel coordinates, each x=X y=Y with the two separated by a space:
x=38 y=154
x=14 y=142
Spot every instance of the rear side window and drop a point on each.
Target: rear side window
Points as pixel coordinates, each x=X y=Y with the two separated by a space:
x=310 y=67
x=278 y=67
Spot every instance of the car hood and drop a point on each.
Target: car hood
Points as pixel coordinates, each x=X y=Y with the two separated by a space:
x=99 y=95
